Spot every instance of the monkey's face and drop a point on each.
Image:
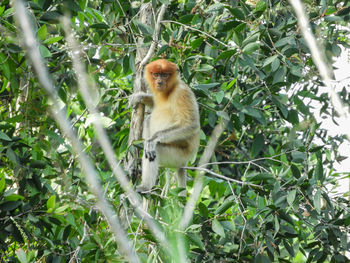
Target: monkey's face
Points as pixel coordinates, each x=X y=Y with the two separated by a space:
x=160 y=80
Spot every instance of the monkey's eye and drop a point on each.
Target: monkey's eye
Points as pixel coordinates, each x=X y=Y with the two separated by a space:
x=160 y=75
x=164 y=75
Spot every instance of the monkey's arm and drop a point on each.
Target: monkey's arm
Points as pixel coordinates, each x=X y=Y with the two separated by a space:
x=172 y=134
x=141 y=97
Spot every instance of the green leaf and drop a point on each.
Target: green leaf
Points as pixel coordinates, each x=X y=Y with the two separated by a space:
x=51 y=202
x=37 y=164
x=89 y=246
x=218 y=228
x=269 y=60
x=61 y=209
x=223 y=115
x=279 y=75
x=52 y=17
x=52 y=40
x=251 y=47
x=145 y=29
x=224 y=206
x=226 y=54
x=12 y=156
x=186 y=19
x=236 y=12
x=203 y=210
x=100 y=26
x=42 y=32
x=280 y=105
x=2 y=8
x=2 y=181
x=21 y=255
x=237 y=38
x=261 y=258
x=277 y=226
x=285 y=41
x=293 y=117
x=252 y=38
x=44 y=51
x=196 y=240
x=3 y=136
x=317 y=201
x=257 y=114
x=13 y=197
x=9 y=205
x=260 y=6
x=275 y=64
x=197 y=43
x=5 y=66
x=289 y=248
x=204 y=68
x=231 y=84
x=291 y=197
x=298 y=157
x=257 y=146
x=219 y=96
x=319 y=171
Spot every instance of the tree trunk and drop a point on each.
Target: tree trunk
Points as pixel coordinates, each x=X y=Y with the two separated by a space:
x=137 y=115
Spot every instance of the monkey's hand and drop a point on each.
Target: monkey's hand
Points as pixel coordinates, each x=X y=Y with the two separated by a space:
x=140 y=97
x=135 y=99
x=150 y=149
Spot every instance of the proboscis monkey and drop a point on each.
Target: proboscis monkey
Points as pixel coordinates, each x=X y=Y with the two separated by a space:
x=171 y=132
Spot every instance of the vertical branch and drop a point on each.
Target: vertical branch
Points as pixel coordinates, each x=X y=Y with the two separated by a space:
x=137 y=114
x=143 y=54
x=198 y=183
x=319 y=61
x=33 y=53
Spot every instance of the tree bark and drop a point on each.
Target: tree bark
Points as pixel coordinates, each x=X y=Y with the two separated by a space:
x=137 y=114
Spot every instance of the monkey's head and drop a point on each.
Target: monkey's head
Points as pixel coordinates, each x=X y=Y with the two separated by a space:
x=161 y=75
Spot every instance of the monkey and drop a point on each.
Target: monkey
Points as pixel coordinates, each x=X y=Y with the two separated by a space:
x=171 y=131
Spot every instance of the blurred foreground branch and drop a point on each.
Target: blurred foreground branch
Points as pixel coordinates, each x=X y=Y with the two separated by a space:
x=319 y=61
x=87 y=93
x=59 y=114
x=198 y=185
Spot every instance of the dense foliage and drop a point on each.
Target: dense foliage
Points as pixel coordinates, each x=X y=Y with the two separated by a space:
x=245 y=58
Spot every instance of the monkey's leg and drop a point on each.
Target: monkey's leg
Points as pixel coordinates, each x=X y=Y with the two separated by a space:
x=149 y=169
x=149 y=174
x=181 y=180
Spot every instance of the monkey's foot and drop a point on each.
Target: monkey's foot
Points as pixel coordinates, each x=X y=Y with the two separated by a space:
x=151 y=155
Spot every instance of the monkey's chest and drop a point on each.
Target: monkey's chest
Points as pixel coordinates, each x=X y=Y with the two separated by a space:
x=161 y=119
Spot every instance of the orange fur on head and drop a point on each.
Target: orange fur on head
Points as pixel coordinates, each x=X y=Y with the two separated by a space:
x=161 y=66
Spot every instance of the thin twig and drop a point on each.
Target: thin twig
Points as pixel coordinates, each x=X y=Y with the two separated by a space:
x=155 y=37
x=89 y=170
x=195 y=29
x=222 y=176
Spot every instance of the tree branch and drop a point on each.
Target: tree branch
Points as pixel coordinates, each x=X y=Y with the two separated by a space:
x=319 y=61
x=222 y=176
x=60 y=115
x=102 y=137
x=155 y=37
x=198 y=183
x=195 y=29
